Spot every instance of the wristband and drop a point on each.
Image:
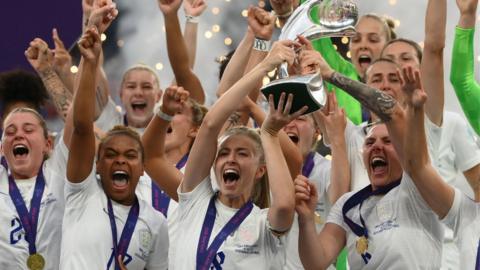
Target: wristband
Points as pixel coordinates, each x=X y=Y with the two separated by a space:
x=191 y=19
x=158 y=112
x=261 y=45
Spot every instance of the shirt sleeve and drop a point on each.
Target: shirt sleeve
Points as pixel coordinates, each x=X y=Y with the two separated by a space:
x=462 y=76
x=336 y=216
x=188 y=200
x=76 y=194
x=462 y=213
x=467 y=153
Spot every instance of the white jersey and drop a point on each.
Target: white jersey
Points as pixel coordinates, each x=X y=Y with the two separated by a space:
x=251 y=246
x=87 y=238
x=320 y=175
x=464 y=219
x=404 y=233
x=13 y=245
x=111 y=116
x=354 y=139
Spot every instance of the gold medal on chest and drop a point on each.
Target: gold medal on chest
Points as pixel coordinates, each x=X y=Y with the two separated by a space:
x=35 y=262
x=362 y=245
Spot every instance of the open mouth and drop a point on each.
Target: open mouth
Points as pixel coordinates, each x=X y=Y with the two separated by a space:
x=293 y=137
x=230 y=176
x=364 y=60
x=120 y=179
x=169 y=129
x=20 y=150
x=139 y=106
x=378 y=164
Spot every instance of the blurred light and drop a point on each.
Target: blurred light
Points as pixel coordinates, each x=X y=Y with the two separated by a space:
x=265 y=80
x=103 y=37
x=215 y=10
x=74 y=69
x=392 y=2
x=228 y=41
x=245 y=13
x=421 y=44
x=216 y=28
x=335 y=47
x=227 y=0
x=344 y=40
x=159 y=66
x=349 y=54
x=208 y=34
x=397 y=23
x=478 y=58
x=120 y=43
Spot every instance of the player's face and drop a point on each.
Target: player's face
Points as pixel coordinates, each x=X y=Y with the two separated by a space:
x=237 y=167
x=367 y=44
x=120 y=165
x=138 y=94
x=24 y=144
x=402 y=53
x=182 y=131
x=302 y=132
x=380 y=157
x=383 y=76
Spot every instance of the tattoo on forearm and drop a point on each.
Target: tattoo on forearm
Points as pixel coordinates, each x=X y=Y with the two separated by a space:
x=234 y=120
x=380 y=103
x=60 y=95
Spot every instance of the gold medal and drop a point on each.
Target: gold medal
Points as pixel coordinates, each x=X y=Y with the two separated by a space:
x=362 y=245
x=35 y=262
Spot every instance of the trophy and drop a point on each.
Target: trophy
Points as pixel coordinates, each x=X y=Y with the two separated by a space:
x=336 y=18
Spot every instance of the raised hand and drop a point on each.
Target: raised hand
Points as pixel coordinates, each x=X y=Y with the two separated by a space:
x=39 y=55
x=282 y=51
x=311 y=61
x=194 y=8
x=261 y=22
x=173 y=99
x=280 y=117
x=306 y=198
x=62 y=60
x=169 y=7
x=333 y=118
x=415 y=95
x=102 y=15
x=90 y=45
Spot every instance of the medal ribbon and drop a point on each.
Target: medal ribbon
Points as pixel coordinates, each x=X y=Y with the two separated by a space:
x=477 y=263
x=160 y=199
x=28 y=219
x=127 y=232
x=205 y=256
x=357 y=199
x=308 y=165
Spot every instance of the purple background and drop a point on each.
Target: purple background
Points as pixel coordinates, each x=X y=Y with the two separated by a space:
x=21 y=21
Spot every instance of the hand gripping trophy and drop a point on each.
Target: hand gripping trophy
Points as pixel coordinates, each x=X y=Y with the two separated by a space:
x=336 y=18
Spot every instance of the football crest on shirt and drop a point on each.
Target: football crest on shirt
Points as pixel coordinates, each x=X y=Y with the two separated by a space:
x=145 y=238
x=384 y=211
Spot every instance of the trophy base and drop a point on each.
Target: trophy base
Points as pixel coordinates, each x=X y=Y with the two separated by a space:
x=304 y=92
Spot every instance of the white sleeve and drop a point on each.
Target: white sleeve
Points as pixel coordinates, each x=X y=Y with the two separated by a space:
x=159 y=253
x=276 y=245
x=76 y=194
x=58 y=158
x=335 y=216
x=462 y=213
x=467 y=153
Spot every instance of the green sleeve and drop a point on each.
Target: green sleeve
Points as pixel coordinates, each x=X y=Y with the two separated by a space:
x=462 y=76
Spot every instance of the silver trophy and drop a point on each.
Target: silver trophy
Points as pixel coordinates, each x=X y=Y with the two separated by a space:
x=336 y=18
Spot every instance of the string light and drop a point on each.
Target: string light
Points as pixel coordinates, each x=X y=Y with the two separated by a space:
x=216 y=28
x=74 y=69
x=228 y=41
x=349 y=54
x=245 y=13
x=159 y=66
x=103 y=37
x=335 y=47
x=392 y=2
x=215 y=10
x=397 y=23
x=208 y=34
x=344 y=40
x=120 y=43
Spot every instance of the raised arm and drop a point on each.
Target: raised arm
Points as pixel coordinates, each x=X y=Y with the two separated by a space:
x=204 y=148
x=41 y=59
x=317 y=251
x=82 y=144
x=431 y=67
x=177 y=51
x=158 y=167
x=462 y=74
x=335 y=124
x=282 y=209
x=193 y=10
x=438 y=194
x=62 y=61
